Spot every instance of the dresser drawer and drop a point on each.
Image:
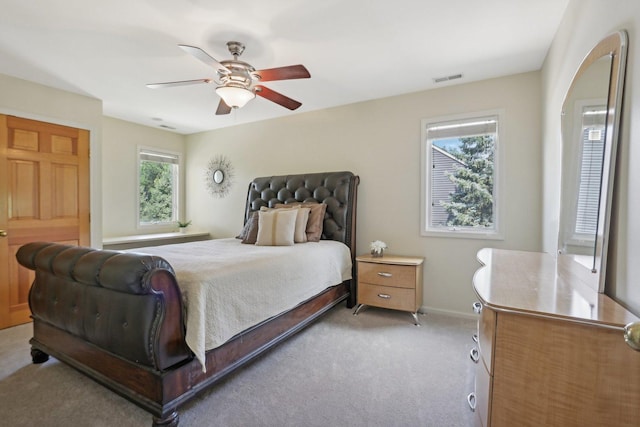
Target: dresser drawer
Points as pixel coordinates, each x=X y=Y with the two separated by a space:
x=401 y=276
x=387 y=297
x=482 y=394
x=486 y=332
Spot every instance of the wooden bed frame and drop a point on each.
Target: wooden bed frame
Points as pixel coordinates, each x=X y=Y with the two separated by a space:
x=118 y=317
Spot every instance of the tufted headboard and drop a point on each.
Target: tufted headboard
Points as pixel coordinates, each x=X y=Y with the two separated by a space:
x=338 y=190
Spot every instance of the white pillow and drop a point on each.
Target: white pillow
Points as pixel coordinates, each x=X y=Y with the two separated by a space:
x=276 y=227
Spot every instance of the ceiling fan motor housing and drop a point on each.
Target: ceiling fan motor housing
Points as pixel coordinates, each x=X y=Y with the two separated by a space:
x=240 y=73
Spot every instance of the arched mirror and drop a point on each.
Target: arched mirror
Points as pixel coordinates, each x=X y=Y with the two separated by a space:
x=590 y=122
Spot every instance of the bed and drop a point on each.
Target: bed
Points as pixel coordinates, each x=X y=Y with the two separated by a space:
x=122 y=318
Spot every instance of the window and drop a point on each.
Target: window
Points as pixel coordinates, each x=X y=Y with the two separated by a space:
x=459 y=176
x=591 y=158
x=158 y=187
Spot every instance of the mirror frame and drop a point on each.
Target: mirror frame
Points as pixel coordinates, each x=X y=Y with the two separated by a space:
x=614 y=46
x=219 y=176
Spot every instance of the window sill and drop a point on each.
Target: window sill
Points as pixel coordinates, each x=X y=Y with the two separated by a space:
x=141 y=240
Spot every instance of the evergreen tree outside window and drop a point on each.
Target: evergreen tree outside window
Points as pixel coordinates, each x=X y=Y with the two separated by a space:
x=158 y=187
x=459 y=180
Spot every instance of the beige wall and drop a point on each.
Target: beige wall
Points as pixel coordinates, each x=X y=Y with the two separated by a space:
x=119 y=157
x=584 y=24
x=33 y=101
x=380 y=141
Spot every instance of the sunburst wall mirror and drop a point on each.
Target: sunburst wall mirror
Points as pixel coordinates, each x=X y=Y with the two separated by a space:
x=219 y=176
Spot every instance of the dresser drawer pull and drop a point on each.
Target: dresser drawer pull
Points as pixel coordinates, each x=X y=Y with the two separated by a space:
x=471 y=400
x=477 y=307
x=384 y=296
x=632 y=335
x=384 y=274
x=474 y=337
x=474 y=354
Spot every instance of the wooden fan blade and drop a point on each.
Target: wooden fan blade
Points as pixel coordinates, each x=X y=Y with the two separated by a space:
x=222 y=108
x=276 y=97
x=180 y=83
x=204 y=57
x=283 y=73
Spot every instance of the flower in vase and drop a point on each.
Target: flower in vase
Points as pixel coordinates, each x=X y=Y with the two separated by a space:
x=377 y=247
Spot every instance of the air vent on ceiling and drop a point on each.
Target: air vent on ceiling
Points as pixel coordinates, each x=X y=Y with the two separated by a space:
x=447 y=78
x=167 y=127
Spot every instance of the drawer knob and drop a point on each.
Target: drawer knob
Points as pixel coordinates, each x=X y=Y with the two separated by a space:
x=471 y=400
x=632 y=335
x=384 y=274
x=474 y=354
x=477 y=307
x=384 y=296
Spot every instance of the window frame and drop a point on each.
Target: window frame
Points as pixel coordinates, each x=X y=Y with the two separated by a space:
x=495 y=233
x=141 y=149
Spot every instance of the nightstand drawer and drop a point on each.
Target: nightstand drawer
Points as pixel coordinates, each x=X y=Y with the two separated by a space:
x=387 y=297
x=401 y=276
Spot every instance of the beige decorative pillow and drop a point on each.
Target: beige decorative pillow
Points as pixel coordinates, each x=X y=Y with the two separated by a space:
x=315 y=223
x=276 y=227
x=300 y=233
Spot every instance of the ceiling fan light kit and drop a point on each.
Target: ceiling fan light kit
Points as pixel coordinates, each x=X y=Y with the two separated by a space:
x=237 y=80
x=234 y=96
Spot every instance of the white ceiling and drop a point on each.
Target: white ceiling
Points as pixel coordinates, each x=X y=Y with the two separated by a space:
x=355 y=50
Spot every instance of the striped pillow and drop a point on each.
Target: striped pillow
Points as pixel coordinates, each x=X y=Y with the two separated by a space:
x=276 y=227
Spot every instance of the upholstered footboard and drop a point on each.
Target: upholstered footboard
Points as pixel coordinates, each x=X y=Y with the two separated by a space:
x=126 y=304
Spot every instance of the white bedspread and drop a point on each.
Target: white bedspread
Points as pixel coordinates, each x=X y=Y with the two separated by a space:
x=229 y=286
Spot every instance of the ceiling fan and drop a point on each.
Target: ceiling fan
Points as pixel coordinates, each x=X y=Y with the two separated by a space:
x=238 y=82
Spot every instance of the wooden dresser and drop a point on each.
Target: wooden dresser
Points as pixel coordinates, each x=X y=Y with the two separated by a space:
x=390 y=281
x=550 y=350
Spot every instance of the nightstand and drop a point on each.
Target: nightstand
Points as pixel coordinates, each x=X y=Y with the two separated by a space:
x=390 y=281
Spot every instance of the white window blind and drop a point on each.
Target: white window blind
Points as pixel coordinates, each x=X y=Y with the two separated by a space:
x=153 y=156
x=463 y=128
x=593 y=137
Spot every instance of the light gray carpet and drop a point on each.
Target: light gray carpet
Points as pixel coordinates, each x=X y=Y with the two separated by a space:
x=374 y=369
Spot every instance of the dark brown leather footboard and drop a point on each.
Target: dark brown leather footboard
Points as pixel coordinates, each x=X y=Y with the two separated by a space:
x=127 y=304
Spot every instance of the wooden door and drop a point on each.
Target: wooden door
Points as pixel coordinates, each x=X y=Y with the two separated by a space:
x=44 y=196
